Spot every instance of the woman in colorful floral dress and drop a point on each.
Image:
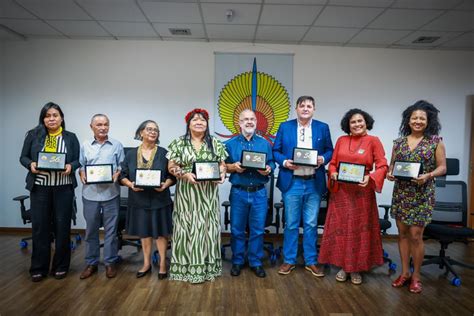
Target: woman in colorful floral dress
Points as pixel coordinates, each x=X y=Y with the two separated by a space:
x=413 y=201
x=196 y=250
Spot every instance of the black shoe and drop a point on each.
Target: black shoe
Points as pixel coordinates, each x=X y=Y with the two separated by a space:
x=37 y=277
x=141 y=274
x=259 y=271
x=235 y=270
x=162 y=276
x=60 y=275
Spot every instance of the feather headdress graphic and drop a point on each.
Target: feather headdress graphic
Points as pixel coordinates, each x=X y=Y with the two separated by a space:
x=259 y=92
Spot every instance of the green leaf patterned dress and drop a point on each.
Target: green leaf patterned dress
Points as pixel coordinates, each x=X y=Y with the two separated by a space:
x=196 y=243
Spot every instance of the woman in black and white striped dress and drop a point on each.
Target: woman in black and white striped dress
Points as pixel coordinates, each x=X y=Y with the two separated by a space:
x=51 y=192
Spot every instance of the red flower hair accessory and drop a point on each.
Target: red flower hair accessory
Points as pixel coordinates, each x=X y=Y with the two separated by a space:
x=197 y=111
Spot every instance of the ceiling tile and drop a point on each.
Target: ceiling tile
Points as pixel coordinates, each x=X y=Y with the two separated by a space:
x=197 y=31
x=79 y=28
x=280 y=33
x=29 y=27
x=404 y=19
x=426 y=4
x=378 y=37
x=242 y=13
x=233 y=1
x=129 y=29
x=362 y=3
x=444 y=37
x=329 y=34
x=312 y=2
x=289 y=14
x=453 y=21
x=230 y=32
x=9 y=9
x=465 y=40
x=168 y=12
x=466 y=5
x=5 y=35
x=347 y=16
x=113 y=10
x=55 y=9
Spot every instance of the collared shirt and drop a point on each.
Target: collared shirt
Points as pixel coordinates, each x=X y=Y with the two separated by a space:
x=305 y=140
x=92 y=153
x=249 y=177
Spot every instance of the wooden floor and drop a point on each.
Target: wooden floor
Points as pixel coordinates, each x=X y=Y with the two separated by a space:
x=297 y=293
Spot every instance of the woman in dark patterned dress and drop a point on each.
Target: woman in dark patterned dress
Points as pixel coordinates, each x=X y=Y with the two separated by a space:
x=351 y=239
x=413 y=201
x=196 y=250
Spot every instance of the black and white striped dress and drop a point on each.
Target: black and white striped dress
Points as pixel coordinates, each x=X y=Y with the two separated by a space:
x=53 y=177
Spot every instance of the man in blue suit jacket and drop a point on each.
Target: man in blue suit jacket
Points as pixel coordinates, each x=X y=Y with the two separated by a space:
x=302 y=186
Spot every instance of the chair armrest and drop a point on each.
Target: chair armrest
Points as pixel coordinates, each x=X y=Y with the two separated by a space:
x=387 y=208
x=21 y=198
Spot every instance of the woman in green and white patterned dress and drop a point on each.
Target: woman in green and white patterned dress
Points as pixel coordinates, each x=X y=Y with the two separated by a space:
x=196 y=249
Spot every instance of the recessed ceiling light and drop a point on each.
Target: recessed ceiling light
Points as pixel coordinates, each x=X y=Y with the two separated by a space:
x=426 y=39
x=176 y=31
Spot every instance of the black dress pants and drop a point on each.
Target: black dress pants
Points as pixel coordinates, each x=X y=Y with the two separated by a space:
x=51 y=211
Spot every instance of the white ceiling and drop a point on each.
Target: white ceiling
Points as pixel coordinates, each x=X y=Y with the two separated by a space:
x=366 y=23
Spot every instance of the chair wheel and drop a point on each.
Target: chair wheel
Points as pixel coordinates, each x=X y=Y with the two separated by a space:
x=23 y=244
x=78 y=238
x=392 y=266
x=154 y=257
x=456 y=281
x=385 y=254
x=72 y=246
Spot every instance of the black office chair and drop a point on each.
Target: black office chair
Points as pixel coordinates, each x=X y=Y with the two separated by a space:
x=268 y=246
x=26 y=217
x=385 y=224
x=449 y=222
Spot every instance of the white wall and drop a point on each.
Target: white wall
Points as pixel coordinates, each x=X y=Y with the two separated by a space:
x=136 y=80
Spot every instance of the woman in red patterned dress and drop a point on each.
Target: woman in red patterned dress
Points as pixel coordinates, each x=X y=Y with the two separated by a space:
x=351 y=239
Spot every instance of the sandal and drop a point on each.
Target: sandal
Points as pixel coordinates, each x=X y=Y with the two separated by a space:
x=415 y=286
x=401 y=281
x=341 y=276
x=356 y=278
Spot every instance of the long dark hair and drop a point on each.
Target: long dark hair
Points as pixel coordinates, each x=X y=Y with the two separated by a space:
x=40 y=129
x=433 y=126
x=207 y=135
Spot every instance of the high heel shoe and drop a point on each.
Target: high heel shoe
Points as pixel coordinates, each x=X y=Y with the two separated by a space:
x=162 y=276
x=141 y=274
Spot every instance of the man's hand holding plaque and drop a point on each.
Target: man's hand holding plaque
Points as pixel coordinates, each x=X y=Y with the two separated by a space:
x=305 y=157
x=253 y=160
x=100 y=173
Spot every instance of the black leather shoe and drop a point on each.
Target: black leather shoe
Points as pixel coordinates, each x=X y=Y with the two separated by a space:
x=59 y=275
x=235 y=270
x=141 y=274
x=259 y=271
x=162 y=276
x=37 y=277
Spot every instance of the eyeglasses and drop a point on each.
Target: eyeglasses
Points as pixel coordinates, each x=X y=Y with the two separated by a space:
x=302 y=134
x=152 y=130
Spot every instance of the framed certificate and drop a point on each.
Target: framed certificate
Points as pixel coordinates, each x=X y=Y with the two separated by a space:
x=206 y=170
x=51 y=161
x=407 y=170
x=148 y=178
x=305 y=157
x=350 y=172
x=253 y=160
x=100 y=173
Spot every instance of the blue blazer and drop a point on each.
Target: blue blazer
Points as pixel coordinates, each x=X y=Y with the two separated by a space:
x=286 y=140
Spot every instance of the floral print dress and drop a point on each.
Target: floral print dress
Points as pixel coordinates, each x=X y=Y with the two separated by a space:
x=412 y=204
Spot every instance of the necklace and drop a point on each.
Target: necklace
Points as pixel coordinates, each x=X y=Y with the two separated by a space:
x=358 y=150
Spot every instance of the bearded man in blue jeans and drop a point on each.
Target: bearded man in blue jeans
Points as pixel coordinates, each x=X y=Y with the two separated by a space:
x=302 y=186
x=248 y=196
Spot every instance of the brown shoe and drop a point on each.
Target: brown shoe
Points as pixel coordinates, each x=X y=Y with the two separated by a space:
x=286 y=268
x=88 y=271
x=317 y=271
x=111 y=271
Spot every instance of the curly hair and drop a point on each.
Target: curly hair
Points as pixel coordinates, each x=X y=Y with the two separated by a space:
x=345 y=122
x=433 y=126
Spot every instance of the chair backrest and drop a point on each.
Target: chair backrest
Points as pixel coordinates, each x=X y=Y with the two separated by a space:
x=451 y=203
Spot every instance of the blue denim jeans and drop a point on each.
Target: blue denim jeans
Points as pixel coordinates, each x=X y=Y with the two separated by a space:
x=251 y=208
x=301 y=201
x=106 y=214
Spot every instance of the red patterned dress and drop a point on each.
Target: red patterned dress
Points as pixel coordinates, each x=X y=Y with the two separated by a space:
x=351 y=237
